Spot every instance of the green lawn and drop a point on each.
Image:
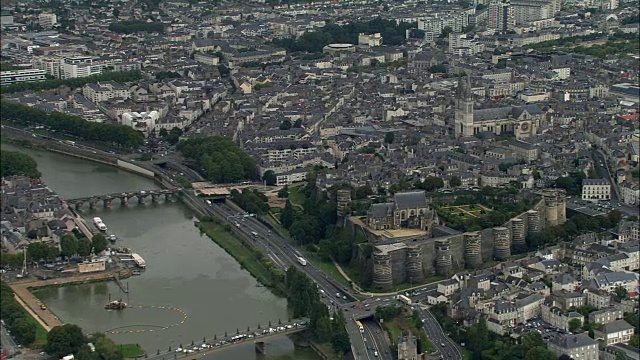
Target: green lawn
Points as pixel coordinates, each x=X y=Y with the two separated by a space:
x=326 y=267
x=295 y=196
x=238 y=250
x=131 y=350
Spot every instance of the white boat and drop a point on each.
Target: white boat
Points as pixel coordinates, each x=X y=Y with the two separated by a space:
x=102 y=227
x=96 y=221
x=139 y=260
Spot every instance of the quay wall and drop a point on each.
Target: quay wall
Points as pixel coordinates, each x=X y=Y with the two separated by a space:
x=135 y=168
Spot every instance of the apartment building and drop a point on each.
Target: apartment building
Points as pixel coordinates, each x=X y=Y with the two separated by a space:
x=435 y=24
x=630 y=193
x=14 y=76
x=595 y=190
x=78 y=66
x=501 y=16
x=47 y=20
x=106 y=90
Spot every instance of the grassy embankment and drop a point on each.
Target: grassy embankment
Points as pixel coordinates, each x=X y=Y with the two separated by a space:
x=131 y=350
x=252 y=260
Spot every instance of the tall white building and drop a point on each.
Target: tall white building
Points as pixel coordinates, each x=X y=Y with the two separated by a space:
x=500 y=16
x=145 y=122
x=78 y=66
x=437 y=23
x=596 y=190
x=47 y=20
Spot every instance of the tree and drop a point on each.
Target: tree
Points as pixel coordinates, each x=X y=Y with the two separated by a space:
x=284 y=192
x=17 y=163
x=621 y=292
x=163 y=133
x=64 y=340
x=287 y=215
x=99 y=243
x=621 y=355
x=389 y=137
x=532 y=339
x=285 y=124
x=220 y=158
x=297 y=123
x=68 y=245
x=322 y=331
x=446 y=31
x=24 y=331
x=174 y=135
x=635 y=341
x=269 y=177
x=539 y=353
x=575 y=325
x=340 y=340
x=455 y=181
x=84 y=247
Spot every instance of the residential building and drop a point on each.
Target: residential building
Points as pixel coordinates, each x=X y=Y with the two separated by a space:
x=370 y=39
x=595 y=190
x=106 y=90
x=14 y=76
x=605 y=316
x=578 y=346
x=47 y=20
x=78 y=66
x=501 y=16
x=618 y=331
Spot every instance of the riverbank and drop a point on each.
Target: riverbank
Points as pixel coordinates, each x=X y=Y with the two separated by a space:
x=248 y=257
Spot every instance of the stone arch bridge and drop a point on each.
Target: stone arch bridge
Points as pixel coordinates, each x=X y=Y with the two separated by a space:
x=124 y=198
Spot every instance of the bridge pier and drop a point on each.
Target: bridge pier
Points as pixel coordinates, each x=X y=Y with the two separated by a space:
x=261 y=347
x=141 y=199
x=79 y=205
x=107 y=202
x=155 y=198
x=92 y=203
x=124 y=200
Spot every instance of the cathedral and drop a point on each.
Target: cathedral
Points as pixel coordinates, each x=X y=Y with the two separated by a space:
x=522 y=121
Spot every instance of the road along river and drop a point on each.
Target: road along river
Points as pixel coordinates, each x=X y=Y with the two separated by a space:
x=191 y=288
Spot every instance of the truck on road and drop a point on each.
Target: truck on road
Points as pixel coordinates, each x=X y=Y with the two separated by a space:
x=302 y=261
x=404 y=299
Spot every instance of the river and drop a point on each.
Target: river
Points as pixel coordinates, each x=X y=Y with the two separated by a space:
x=187 y=273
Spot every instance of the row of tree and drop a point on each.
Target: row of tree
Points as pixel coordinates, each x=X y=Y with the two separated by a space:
x=17 y=163
x=15 y=317
x=134 y=26
x=113 y=134
x=119 y=76
x=220 y=158
x=304 y=300
x=392 y=33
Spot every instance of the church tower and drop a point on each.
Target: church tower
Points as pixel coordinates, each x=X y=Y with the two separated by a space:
x=464 y=108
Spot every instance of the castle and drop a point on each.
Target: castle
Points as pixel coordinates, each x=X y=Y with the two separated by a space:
x=523 y=121
x=413 y=258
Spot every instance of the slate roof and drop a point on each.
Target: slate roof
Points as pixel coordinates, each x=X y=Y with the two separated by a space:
x=410 y=200
x=572 y=341
x=381 y=210
x=616 y=326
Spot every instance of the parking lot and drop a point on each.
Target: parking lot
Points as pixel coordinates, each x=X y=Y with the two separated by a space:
x=546 y=330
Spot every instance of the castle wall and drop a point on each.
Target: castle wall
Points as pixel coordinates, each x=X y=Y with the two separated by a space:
x=425 y=257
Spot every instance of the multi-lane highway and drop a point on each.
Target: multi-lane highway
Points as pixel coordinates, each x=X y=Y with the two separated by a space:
x=445 y=345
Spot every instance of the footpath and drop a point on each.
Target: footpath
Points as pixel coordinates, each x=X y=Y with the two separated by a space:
x=31 y=303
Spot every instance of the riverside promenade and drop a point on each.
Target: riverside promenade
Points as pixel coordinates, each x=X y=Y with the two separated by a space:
x=31 y=303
